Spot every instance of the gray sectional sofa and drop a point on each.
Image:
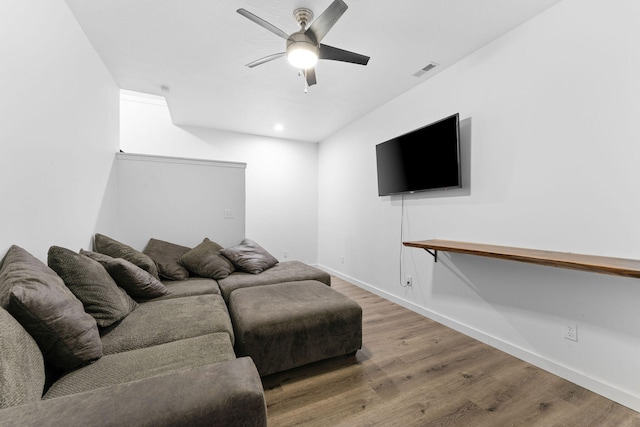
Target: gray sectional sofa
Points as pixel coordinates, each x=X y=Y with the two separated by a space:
x=78 y=349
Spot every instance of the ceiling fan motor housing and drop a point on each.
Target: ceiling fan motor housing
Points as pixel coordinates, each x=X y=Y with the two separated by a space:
x=298 y=39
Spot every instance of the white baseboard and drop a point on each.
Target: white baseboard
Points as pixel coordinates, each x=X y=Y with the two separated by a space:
x=610 y=392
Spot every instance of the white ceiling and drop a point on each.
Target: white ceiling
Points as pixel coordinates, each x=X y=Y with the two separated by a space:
x=199 y=48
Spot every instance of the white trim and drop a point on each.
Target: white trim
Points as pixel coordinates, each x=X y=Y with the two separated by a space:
x=580 y=378
x=182 y=160
x=144 y=98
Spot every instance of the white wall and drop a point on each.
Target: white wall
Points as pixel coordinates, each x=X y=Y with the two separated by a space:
x=58 y=129
x=281 y=175
x=179 y=200
x=554 y=149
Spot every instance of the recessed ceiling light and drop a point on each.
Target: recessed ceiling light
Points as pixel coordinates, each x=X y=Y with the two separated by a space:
x=279 y=127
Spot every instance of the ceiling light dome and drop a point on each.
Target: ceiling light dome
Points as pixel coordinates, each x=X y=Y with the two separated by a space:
x=302 y=52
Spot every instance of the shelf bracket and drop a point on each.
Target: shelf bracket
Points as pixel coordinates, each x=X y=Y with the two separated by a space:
x=433 y=253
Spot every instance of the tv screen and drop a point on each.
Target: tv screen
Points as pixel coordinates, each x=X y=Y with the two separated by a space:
x=424 y=159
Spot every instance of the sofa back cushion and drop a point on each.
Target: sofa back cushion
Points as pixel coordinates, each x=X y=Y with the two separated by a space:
x=250 y=257
x=115 y=249
x=91 y=284
x=22 y=374
x=38 y=299
x=205 y=260
x=138 y=283
x=166 y=256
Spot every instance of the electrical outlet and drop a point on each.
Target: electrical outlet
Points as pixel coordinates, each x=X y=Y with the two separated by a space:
x=285 y=254
x=228 y=214
x=571 y=333
x=409 y=281
x=341 y=260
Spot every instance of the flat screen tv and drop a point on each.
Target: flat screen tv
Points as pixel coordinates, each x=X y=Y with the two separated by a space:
x=424 y=159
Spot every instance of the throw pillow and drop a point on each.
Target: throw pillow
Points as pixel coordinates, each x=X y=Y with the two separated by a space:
x=166 y=256
x=113 y=248
x=139 y=284
x=97 y=256
x=250 y=257
x=38 y=299
x=92 y=284
x=22 y=374
x=205 y=260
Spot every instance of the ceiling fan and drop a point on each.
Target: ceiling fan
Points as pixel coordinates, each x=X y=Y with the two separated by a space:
x=303 y=47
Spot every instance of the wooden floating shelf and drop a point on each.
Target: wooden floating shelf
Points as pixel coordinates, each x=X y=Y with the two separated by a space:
x=592 y=263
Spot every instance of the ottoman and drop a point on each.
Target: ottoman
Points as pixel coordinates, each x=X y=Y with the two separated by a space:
x=285 y=325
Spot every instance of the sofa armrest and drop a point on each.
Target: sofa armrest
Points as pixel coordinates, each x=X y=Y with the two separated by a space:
x=222 y=394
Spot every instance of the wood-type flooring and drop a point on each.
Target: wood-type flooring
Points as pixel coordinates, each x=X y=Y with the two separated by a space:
x=413 y=371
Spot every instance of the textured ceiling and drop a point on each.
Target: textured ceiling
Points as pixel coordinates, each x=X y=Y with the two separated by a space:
x=198 y=49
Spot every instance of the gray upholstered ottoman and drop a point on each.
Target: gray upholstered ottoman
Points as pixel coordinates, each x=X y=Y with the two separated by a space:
x=286 y=325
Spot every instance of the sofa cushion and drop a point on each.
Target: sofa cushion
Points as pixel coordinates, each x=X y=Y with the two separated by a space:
x=92 y=285
x=22 y=376
x=160 y=321
x=190 y=287
x=113 y=248
x=139 y=284
x=34 y=294
x=227 y=393
x=166 y=256
x=145 y=362
x=205 y=260
x=250 y=257
x=287 y=271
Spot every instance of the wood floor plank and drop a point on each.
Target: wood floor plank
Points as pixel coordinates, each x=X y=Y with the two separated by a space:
x=413 y=371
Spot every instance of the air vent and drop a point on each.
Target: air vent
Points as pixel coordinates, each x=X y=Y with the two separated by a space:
x=423 y=70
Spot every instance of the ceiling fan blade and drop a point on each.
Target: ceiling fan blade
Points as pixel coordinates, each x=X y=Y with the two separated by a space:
x=335 y=54
x=275 y=30
x=327 y=19
x=265 y=59
x=310 y=76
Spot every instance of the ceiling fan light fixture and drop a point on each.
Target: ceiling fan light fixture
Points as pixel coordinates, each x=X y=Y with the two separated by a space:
x=302 y=53
x=302 y=58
